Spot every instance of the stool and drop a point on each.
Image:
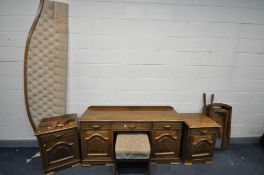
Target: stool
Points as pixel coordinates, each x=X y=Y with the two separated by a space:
x=132 y=147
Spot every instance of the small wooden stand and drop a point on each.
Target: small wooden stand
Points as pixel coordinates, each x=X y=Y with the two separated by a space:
x=198 y=140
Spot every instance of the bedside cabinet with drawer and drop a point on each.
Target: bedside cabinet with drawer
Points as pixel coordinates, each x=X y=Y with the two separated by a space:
x=199 y=137
x=58 y=141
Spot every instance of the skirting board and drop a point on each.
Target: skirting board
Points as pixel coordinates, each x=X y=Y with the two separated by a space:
x=34 y=143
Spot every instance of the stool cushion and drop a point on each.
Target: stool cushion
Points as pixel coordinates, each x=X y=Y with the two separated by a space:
x=132 y=146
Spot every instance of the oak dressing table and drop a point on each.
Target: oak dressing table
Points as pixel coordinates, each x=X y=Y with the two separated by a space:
x=99 y=125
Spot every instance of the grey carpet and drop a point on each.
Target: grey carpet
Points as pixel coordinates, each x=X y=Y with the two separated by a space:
x=239 y=159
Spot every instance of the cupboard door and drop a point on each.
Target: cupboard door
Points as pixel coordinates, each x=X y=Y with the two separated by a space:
x=202 y=146
x=166 y=143
x=96 y=144
x=58 y=152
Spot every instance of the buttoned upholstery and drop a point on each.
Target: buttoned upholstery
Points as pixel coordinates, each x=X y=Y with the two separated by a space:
x=47 y=63
x=132 y=146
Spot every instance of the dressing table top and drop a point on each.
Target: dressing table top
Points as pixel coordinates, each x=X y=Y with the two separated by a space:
x=145 y=114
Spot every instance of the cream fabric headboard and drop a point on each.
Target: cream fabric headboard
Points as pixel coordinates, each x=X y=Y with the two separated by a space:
x=45 y=64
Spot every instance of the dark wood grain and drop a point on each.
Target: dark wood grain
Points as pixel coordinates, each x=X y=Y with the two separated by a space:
x=58 y=142
x=222 y=114
x=99 y=125
x=31 y=31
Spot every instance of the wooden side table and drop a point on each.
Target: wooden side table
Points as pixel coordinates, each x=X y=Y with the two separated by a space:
x=199 y=135
x=58 y=141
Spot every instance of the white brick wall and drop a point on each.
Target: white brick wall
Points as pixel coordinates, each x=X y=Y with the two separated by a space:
x=146 y=52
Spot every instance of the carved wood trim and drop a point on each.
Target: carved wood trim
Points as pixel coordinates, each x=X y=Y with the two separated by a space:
x=202 y=140
x=164 y=153
x=58 y=143
x=165 y=125
x=131 y=126
x=97 y=154
x=63 y=159
x=52 y=136
x=96 y=126
x=166 y=135
x=203 y=131
x=96 y=135
x=201 y=155
x=32 y=29
x=164 y=160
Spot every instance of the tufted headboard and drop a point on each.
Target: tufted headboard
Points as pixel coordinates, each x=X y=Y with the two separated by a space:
x=45 y=62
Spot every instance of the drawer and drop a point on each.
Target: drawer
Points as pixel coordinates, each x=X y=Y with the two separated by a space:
x=56 y=135
x=203 y=131
x=131 y=126
x=95 y=126
x=168 y=126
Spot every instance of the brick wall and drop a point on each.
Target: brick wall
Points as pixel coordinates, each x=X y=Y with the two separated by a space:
x=146 y=52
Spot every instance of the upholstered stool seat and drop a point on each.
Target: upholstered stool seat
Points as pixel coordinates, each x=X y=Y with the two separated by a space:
x=134 y=147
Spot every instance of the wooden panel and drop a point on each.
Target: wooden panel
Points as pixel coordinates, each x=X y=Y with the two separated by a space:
x=130 y=114
x=96 y=125
x=59 y=149
x=167 y=125
x=198 y=145
x=166 y=143
x=130 y=108
x=131 y=126
x=202 y=146
x=56 y=135
x=95 y=144
x=203 y=131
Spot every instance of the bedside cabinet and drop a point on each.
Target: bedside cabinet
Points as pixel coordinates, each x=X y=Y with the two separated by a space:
x=199 y=135
x=58 y=142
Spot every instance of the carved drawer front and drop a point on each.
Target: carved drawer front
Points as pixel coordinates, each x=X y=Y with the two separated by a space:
x=96 y=125
x=131 y=126
x=203 y=131
x=202 y=146
x=61 y=151
x=166 y=143
x=167 y=125
x=57 y=135
x=96 y=143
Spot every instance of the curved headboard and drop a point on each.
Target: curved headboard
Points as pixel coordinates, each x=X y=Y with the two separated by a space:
x=45 y=62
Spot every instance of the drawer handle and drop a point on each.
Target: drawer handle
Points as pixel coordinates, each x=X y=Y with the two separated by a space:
x=167 y=127
x=58 y=135
x=204 y=132
x=96 y=126
x=132 y=126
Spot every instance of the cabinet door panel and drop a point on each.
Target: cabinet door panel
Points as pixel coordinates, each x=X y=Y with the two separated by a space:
x=96 y=143
x=202 y=146
x=61 y=151
x=166 y=143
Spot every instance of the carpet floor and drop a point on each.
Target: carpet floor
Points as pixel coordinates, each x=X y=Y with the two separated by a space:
x=246 y=159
